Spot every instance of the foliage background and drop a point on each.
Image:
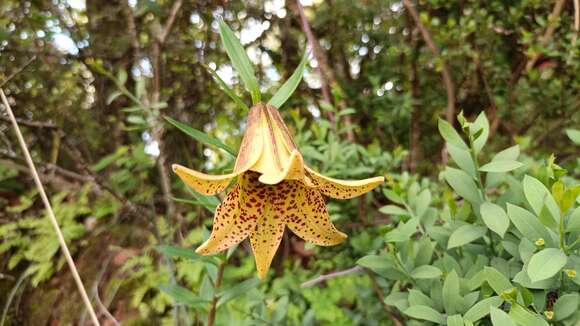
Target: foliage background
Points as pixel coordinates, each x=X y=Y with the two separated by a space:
x=369 y=106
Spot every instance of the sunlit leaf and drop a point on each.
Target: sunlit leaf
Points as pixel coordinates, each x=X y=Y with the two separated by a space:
x=240 y=60
x=286 y=90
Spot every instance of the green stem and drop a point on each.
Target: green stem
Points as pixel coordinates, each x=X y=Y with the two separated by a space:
x=218 y=282
x=480 y=186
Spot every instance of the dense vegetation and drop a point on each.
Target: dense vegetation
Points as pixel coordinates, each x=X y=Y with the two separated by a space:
x=469 y=109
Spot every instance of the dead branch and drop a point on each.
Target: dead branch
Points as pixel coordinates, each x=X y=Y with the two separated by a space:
x=326 y=277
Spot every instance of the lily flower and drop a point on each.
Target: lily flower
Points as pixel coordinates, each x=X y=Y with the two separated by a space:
x=274 y=189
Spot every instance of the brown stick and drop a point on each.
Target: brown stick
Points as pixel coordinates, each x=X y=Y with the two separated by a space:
x=33 y=124
x=326 y=277
x=50 y=213
x=445 y=74
x=26 y=64
x=552 y=24
x=322 y=69
x=157 y=125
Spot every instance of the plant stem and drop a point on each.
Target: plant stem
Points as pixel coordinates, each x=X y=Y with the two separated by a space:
x=480 y=186
x=50 y=212
x=218 y=282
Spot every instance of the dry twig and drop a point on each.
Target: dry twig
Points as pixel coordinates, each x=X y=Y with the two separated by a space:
x=50 y=212
x=326 y=277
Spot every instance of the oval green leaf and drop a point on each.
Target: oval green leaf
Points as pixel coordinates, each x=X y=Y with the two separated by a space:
x=546 y=263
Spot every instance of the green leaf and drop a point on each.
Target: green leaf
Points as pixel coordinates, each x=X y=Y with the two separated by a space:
x=565 y=306
x=462 y=158
x=450 y=134
x=178 y=252
x=393 y=210
x=500 y=318
x=417 y=298
x=403 y=231
x=200 y=136
x=524 y=317
x=508 y=154
x=376 y=263
x=393 y=196
x=528 y=224
x=290 y=85
x=498 y=282
x=122 y=76
x=464 y=235
x=425 y=313
x=573 y=224
x=481 y=126
x=481 y=309
x=240 y=60
x=546 y=263
x=574 y=135
x=463 y=184
x=182 y=295
x=452 y=300
x=238 y=290
x=230 y=92
x=184 y=253
x=113 y=96
x=454 y=320
x=422 y=203
x=500 y=166
x=209 y=202
x=398 y=299
x=426 y=272
x=495 y=218
x=538 y=195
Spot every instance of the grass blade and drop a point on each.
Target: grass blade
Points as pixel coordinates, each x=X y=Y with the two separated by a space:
x=290 y=85
x=200 y=136
x=227 y=89
x=240 y=60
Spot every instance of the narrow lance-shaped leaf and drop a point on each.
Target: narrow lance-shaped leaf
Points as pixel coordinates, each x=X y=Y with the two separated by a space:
x=200 y=136
x=227 y=89
x=290 y=85
x=240 y=60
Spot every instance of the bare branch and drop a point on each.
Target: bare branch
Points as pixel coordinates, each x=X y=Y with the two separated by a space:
x=326 y=277
x=26 y=64
x=552 y=24
x=50 y=212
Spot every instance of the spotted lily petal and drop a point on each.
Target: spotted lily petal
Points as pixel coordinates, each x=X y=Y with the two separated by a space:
x=266 y=238
x=343 y=189
x=235 y=218
x=311 y=221
x=203 y=183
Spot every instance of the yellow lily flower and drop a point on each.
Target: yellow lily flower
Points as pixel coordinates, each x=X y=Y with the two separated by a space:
x=274 y=189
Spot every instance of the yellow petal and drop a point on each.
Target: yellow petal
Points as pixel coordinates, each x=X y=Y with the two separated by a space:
x=274 y=153
x=306 y=215
x=343 y=189
x=267 y=236
x=252 y=143
x=294 y=170
x=279 y=124
x=235 y=218
x=203 y=183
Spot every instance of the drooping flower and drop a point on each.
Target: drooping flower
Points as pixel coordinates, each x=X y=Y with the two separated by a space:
x=274 y=189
